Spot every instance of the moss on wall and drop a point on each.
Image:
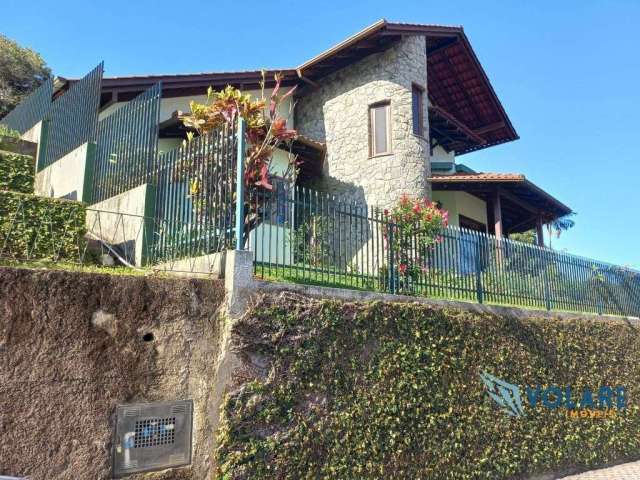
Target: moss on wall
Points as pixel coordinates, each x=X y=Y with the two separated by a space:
x=373 y=391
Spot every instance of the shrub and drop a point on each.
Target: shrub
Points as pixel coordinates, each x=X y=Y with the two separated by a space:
x=40 y=228
x=17 y=172
x=413 y=228
x=389 y=390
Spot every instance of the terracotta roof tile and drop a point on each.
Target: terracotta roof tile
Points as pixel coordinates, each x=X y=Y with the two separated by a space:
x=479 y=177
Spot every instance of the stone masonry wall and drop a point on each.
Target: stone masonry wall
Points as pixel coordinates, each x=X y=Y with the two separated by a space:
x=338 y=113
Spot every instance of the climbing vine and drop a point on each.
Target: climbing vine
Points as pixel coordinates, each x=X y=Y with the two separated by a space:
x=375 y=391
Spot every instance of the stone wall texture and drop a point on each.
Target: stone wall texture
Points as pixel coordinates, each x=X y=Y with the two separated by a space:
x=338 y=114
x=74 y=345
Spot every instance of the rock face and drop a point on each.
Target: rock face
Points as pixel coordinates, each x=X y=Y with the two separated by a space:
x=72 y=346
x=338 y=114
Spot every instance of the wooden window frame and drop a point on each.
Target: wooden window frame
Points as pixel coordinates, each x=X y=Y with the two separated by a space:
x=371 y=109
x=416 y=87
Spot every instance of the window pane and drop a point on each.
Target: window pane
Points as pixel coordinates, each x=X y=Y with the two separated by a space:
x=380 y=129
x=417 y=111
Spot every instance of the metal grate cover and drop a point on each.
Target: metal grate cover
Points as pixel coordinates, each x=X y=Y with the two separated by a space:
x=152 y=436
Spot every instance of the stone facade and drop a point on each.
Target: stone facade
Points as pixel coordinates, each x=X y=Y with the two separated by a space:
x=338 y=113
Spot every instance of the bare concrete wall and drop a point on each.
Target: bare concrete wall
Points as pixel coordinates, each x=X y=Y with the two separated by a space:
x=72 y=346
x=120 y=221
x=68 y=177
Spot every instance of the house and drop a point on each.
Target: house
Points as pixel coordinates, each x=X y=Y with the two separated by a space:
x=390 y=110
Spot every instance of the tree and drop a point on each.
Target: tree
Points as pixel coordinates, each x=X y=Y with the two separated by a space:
x=22 y=70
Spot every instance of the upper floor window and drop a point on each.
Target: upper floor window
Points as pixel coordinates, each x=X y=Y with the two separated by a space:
x=380 y=129
x=417 y=93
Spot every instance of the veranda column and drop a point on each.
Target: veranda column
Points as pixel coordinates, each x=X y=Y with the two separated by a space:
x=497 y=218
x=539 y=232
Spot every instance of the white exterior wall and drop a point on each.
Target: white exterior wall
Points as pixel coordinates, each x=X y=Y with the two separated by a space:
x=461 y=203
x=65 y=178
x=439 y=154
x=124 y=231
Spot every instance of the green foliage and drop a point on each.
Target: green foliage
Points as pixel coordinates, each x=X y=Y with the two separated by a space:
x=525 y=237
x=311 y=243
x=22 y=70
x=7 y=132
x=36 y=227
x=377 y=391
x=17 y=172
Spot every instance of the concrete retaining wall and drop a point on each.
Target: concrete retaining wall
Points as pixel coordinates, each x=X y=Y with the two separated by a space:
x=72 y=346
x=120 y=222
x=70 y=177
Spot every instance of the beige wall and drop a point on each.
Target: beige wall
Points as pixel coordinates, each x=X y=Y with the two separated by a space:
x=461 y=203
x=65 y=177
x=170 y=105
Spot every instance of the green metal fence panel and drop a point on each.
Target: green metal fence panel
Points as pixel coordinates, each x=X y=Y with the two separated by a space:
x=127 y=146
x=73 y=117
x=195 y=201
x=311 y=237
x=31 y=110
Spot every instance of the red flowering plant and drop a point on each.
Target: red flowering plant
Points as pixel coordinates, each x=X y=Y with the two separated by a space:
x=412 y=228
x=266 y=130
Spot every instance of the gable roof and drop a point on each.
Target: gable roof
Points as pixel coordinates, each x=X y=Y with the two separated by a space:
x=457 y=83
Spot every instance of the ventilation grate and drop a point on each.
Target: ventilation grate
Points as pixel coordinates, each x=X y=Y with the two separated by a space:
x=152 y=436
x=154 y=432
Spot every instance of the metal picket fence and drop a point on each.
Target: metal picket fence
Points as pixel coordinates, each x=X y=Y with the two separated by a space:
x=72 y=118
x=195 y=200
x=31 y=110
x=127 y=146
x=310 y=237
x=67 y=235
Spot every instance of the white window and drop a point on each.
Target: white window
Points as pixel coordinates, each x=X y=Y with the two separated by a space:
x=380 y=129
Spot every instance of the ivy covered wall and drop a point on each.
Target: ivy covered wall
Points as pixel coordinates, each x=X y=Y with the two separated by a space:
x=33 y=227
x=376 y=391
x=17 y=172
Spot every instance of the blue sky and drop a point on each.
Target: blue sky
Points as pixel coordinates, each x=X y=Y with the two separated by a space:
x=568 y=74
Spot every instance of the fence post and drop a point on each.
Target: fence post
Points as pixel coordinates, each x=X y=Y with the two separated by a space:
x=392 y=273
x=479 y=291
x=240 y=185
x=547 y=287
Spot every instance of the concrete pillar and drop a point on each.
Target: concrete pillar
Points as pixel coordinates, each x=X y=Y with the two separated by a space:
x=238 y=280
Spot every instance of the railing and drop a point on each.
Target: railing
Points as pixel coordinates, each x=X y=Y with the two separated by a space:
x=96 y=240
x=309 y=237
x=31 y=110
x=195 y=189
x=73 y=117
x=127 y=146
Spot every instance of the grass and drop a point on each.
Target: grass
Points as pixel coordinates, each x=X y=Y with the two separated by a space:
x=510 y=292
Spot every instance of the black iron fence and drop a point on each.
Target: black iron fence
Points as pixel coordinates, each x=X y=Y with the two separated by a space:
x=127 y=146
x=309 y=237
x=72 y=118
x=31 y=110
